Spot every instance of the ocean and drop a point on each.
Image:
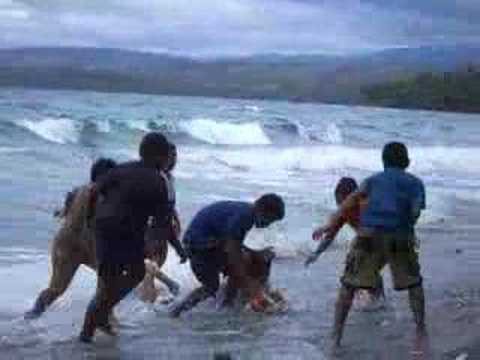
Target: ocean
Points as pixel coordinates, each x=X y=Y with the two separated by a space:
x=227 y=149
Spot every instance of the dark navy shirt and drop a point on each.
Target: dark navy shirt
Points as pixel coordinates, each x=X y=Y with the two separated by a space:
x=127 y=196
x=216 y=223
x=395 y=199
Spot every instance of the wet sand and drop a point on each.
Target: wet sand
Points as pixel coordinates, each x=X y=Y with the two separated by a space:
x=450 y=259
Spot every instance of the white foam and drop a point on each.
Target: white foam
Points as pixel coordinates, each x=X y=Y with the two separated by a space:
x=223 y=133
x=275 y=161
x=103 y=126
x=57 y=130
x=141 y=125
x=333 y=134
x=309 y=173
x=253 y=108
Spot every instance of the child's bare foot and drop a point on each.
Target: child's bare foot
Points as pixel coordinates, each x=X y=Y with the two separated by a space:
x=421 y=344
x=336 y=338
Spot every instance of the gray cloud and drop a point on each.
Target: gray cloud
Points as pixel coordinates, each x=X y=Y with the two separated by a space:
x=204 y=27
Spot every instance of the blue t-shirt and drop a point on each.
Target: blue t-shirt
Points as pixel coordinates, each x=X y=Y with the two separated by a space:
x=395 y=199
x=220 y=221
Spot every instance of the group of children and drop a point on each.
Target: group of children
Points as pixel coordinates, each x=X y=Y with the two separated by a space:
x=131 y=214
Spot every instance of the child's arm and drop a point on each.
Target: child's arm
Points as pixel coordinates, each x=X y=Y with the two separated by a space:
x=177 y=225
x=146 y=289
x=328 y=232
x=177 y=245
x=174 y=238
x=340 y=217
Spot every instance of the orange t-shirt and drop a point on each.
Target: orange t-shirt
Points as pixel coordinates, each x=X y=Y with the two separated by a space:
x=349 y=216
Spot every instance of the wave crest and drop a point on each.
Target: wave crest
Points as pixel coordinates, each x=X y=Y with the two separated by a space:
x=56 y=130
x=224 y=133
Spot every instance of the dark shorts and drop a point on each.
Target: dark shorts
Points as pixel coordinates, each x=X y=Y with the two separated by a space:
x=207 y=266
x=369 y=255
x=117 y=242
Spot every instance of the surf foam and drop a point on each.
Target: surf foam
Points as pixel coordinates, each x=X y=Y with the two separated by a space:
x=425 y=160
x=142 y=125
x=56 y=130
x=223 y=133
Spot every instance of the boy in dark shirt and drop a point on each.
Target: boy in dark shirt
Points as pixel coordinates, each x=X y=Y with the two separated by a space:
x=126 y=198
x=214 y=243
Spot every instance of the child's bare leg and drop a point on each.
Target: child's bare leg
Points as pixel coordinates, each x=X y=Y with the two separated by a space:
x=112 y=319
x=342 y=308
x=196 y=296
x=230 y=293
x=147 y=290
x=171 y=284
x=417 y=305
x=63 y=270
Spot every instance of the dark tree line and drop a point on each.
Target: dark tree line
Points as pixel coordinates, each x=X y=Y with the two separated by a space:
x=448 y=91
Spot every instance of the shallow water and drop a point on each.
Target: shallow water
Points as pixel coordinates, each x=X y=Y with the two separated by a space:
x=235 y=149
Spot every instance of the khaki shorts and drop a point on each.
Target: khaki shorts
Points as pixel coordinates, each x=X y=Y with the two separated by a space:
x=369 y=255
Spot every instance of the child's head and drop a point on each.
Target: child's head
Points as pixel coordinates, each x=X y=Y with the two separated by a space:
x=154 y=150
x=100 y=168
x=268 y=209
x=395 y=154
x=345 y=186
x=259 y=263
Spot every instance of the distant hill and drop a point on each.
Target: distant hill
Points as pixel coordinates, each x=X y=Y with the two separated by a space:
x=331 y=79
x=448 y=91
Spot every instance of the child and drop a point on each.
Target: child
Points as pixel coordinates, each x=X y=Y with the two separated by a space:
x=214 y=242
x=99 y=168
x=258 y=264
x=344 y=188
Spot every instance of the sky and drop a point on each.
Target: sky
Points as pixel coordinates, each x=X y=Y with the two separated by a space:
x=239 y=27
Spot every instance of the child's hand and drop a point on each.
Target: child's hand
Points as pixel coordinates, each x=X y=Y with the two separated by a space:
x=319 y=233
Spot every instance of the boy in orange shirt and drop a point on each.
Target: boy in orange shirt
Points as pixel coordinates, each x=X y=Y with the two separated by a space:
x=350 y=216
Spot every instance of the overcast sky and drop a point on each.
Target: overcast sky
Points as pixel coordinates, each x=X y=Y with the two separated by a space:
x=231 y=27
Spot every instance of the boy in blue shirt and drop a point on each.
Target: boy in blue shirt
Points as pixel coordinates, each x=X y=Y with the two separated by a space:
x=386 y=236
x=214 y=241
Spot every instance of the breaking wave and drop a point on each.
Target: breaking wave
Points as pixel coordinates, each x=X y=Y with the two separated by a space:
x=60 y=131
x=224 y=133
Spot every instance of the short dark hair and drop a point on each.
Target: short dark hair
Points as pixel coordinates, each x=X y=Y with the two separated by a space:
x=345 y=186
x=395 y=154
x=152 y=145
x=272 y=204
x=101 y=167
